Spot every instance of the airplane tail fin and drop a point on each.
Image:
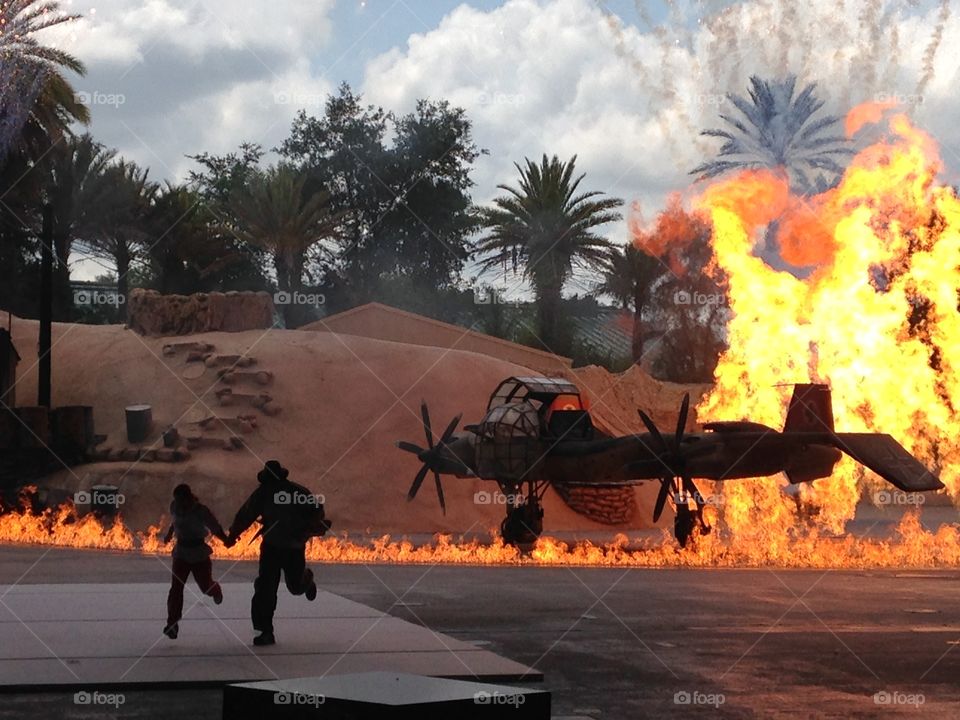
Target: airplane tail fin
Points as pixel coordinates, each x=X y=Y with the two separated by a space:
x=811 y=409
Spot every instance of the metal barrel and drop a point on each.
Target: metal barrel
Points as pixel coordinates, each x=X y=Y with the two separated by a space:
x=139 y=422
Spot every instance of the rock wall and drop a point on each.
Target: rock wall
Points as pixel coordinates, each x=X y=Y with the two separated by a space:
x=153 y=314
x=610 y=506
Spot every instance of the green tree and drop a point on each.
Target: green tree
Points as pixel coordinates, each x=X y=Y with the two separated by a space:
x=629 y=276
x=275 y=212
x=38 y=102
x=120 y=199
x=547 y=228
x=402 y=185
x=226 y=261
x=68 y=171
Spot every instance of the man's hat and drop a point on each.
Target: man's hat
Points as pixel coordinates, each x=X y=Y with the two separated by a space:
x=273 y=472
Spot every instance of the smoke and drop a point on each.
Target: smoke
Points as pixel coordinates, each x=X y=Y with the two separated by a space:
x=930 y=53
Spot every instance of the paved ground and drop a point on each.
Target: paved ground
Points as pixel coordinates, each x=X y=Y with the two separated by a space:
x=624 y=644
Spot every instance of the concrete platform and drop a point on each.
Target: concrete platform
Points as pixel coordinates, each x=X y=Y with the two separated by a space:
x=382 y=695
x=108 y=636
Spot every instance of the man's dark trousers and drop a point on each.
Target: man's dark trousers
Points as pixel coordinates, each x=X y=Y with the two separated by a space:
x=273 y=560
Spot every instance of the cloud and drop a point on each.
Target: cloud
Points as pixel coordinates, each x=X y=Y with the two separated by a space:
x=562 y=77
x=168 y=78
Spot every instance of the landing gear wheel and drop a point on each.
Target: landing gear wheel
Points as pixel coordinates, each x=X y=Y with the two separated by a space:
x=683 y=524
x=523 y=524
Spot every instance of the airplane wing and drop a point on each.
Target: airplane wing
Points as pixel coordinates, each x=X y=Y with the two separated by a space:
x=889 y=459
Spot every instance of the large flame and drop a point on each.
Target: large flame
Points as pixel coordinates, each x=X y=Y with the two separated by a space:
x=877 y=318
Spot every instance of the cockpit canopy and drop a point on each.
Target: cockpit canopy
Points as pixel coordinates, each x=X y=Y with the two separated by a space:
x=540 y=390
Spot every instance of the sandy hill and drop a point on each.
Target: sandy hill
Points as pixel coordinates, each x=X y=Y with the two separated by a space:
x=337 y=405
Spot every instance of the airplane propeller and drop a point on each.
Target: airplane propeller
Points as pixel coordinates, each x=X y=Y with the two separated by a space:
x=428 y=453
x=675 y=476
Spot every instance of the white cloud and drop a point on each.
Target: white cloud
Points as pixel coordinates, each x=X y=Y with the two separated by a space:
x=168 y=78
x=560 y=77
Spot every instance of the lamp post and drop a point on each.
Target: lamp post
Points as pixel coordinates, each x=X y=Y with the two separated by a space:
x=46 y=308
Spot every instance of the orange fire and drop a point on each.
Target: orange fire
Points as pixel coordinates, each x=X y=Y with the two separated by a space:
x=877 y=318
x=913 y=547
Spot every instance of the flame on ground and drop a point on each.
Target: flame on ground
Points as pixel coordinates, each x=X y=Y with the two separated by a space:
x=913 y=546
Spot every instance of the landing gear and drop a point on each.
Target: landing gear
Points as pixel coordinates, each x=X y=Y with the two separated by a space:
x=523 y=524
x=524 y=521
x=686 y=520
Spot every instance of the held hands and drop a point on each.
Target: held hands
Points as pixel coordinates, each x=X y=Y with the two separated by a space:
x=228 y=541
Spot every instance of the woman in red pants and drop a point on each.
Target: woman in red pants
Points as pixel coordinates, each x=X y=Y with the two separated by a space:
x=191 y=554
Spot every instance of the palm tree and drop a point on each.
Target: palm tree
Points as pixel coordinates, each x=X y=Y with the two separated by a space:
x=629 y=277
x=779 y=131
x=546 y=228
x=119 y=199
x=38 y=103
x=68 y=171
x=274 y=212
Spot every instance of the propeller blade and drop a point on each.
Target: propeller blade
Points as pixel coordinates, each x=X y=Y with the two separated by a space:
x=410 y=447
x=682 y=420
x=661 y=498
x=443 y=504
x=425 y=414
x=652 y=429
x=448 y=433
x=417 y=482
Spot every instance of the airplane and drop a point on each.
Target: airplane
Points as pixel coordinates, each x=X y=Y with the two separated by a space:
x=538 y=432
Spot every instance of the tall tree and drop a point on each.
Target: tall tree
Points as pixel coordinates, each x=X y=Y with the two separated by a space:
x=120 y=199
x=225 y=261
x=778 y=130
x=546 y=228
x=276 y=212
x=403 y=185
x=629 y=277
x=37 y=102
x=68 y=171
